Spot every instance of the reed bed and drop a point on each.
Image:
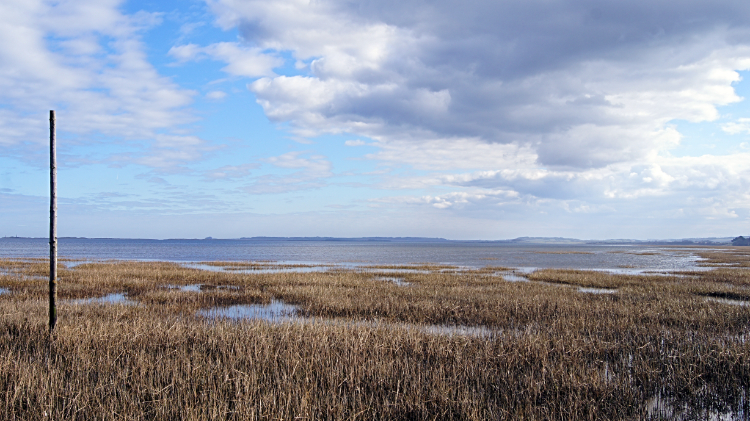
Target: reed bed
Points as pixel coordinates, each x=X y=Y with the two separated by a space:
x=553 y=352
x=728 y=256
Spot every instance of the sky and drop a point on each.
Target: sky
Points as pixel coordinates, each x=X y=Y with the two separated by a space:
x=475 y=119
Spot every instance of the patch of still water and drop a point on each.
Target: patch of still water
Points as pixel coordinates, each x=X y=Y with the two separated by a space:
x=276 y=311
x=398 y=281
x=729 y=301
x=72 y=264
x=281 y=267
x=115 y=298
x=186 y=288
x=19 y=275
x=448 y=330
x=657 y=407
x=200 y=287
x=597 y=290
x=280 y=312
x=512 y=277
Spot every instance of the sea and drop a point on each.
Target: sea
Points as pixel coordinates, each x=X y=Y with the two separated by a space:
x=619 y=258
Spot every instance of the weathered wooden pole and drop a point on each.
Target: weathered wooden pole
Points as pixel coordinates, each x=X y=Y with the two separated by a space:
x=52 y=224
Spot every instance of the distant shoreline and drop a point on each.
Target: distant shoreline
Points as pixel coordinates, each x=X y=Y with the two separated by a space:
x=713 y=241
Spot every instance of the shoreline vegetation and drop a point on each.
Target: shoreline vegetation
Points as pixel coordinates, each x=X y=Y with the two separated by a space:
x=383 y=342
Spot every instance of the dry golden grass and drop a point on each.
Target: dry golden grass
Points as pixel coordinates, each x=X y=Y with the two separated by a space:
x=725 y=256
x=555 y=353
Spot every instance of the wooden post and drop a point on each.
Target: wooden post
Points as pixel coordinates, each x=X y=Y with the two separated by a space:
x=52 y=224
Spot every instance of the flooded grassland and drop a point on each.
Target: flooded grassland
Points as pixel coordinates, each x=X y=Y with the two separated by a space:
x=256 y=340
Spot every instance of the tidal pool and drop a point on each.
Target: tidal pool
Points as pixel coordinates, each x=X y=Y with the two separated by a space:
x=115 y=298
x=280 y=312
x=658 y=407
x=186 y=288
x=512 y=277
x=398 y=281
x=729 y=301
x=597 y=290
x=276 y=311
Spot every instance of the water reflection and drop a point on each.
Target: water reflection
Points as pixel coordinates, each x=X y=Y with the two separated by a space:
x=4 y=291
x=449 y=330
x=297 y=267
x=399 y=270
x=729 y=301
x=512 y=277
x=276 y=311
x=115 y=298
x=186 y=288
x=264 y=267
x=18 y=274
x=280 y=312
x=398 y=281
x=72 y=264
x=658 y=407
x=597 y=290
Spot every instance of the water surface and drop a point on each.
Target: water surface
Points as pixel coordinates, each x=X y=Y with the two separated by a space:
x=357 y=254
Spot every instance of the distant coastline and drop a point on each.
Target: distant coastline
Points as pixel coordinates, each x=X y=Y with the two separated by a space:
x=519 y=240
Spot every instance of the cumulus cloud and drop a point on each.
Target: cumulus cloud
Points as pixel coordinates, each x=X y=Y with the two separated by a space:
x=580 y=84
x=478 y=197
x=740 y=126
x=571 y=103
x=85 y=60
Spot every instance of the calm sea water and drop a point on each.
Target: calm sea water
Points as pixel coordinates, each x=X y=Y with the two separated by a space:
x=469 y=254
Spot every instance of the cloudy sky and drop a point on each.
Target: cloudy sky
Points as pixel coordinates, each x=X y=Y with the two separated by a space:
x=474 y=119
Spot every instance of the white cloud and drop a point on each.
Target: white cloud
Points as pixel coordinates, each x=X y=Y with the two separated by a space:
x=481 y=197
x=241 y=61
x=84 y=59
x=313 y=164
x=569 y=106
x=576 y=85
x=454 y=153
x=167 y=153
x=311 y=171
x=690 y=188
x=216 y=95
x=740 y=126
x=230 y=172
x=480 y=108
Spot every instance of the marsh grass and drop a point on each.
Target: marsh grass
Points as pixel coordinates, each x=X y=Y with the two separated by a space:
x=726 y=256
x=557 y=353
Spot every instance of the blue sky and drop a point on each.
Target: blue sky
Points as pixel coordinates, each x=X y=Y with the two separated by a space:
x=462 y=120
